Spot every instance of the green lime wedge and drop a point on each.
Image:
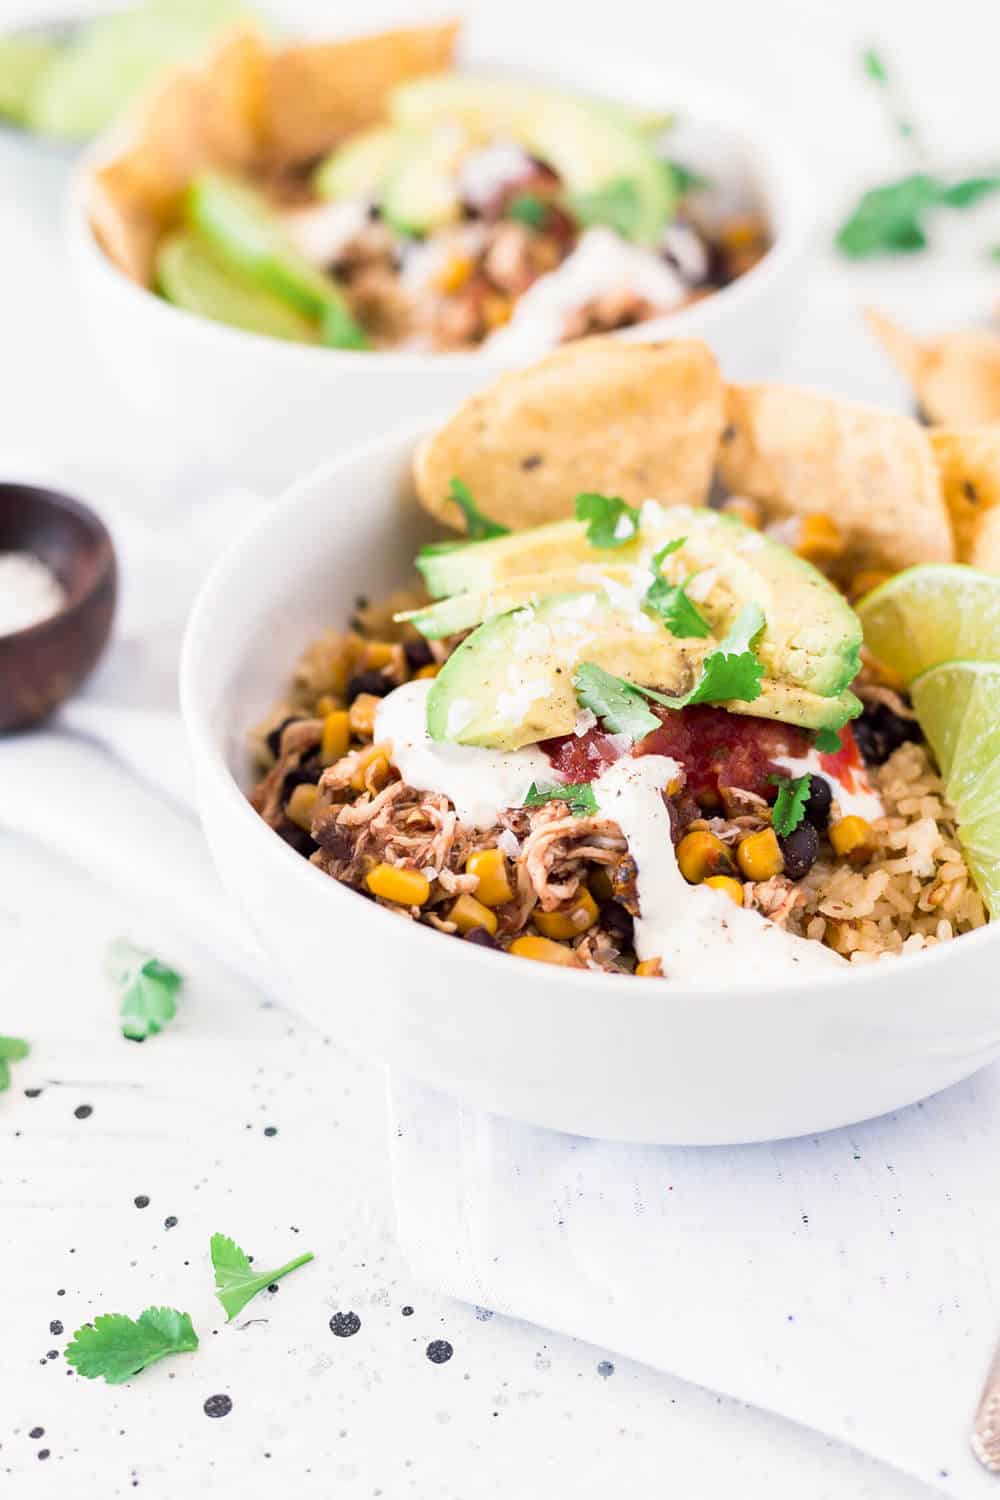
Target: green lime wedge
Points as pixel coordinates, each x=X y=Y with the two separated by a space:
x=930 y=614
x=958 y=705
x=23 y=60
x=191 y=276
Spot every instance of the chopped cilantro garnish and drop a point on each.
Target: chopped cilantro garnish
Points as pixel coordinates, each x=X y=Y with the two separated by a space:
x=686 y=180
x=117 y=1347
x=12 y=1049
x=827 y=741
x=528 y=209
x=149 y=990
x=236 y=1280
x=578 y=795
x=618 y=205
x=891 y=219
x=790 y=804
x=611 y=523
x=731 y=671
x=873 y=65
x=670 y=601
x=616 y=703
x=480 y=527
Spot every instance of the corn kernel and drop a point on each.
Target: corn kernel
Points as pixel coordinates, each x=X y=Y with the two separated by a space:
x=454 y=274
x=542 y=949
x=362 y=715
x=300 y=804
x=853 y=839
x=431 y=670
x=649 y=969
x=728 y=885
x=467 y=913
x=740 y=234
x=759 y=855
x=866 y=580
x=326 y=703
x=497 y=310
x=376 y=773
x=700 y=854
x=407 y=887
x=490 y=869
x=600 y=884
x=367 y=757
x=744 y=509
x=820 y=539
x=336 y=736
x=378 y=654
x=569 y=920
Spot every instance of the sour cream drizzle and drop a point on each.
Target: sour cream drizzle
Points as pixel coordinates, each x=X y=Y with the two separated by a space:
x=858 y=801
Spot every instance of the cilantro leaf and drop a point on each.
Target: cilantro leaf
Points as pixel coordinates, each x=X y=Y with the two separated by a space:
x=578 y=795
x=890 y=219
x=480 y=526
x=527 y=208
x=731 y=671
x=617 y=204
x=149 y=990
x=612 y=523
x=670 y=600
x=873 y=65
x=236 y=1281
x=827 y=741
x=118 y=1347
x=790 y=804
x=685 y=180
x=968 y=191
x=12 y=1049
x=617 y=703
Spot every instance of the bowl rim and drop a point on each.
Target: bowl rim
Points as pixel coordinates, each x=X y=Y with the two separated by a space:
x=223 y=583
x=107 y=572
x=793 y=193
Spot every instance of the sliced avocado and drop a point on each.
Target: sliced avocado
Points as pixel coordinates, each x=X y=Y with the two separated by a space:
x=359 y=168
x=455 y=568
x=589 y=142
x=464 y=611
x=421 y=191
x=792 y=704
x=240 y=226
x=189 y=274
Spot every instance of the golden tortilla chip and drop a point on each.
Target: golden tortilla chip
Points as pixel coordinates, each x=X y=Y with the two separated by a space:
x=633 y=420
x=200 y=114
x=320 y=92
x=955 y=378
x=872 y=471
x=969 y=462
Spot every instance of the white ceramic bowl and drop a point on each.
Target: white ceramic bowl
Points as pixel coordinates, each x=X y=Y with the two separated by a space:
x=260 y=411
x=585 y=1052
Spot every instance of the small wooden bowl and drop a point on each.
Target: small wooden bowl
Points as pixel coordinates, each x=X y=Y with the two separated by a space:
x=42 y=665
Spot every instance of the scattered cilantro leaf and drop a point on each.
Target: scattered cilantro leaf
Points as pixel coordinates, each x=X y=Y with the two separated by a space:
x=617 y=703
x=618 y=205
x=480 y=526
x=236 y=1280
x=670 y=601
x=731 y=671
x=827 y=741
x=12 y=1049
x=527 y=208
x=149 y=990
x=873 y=65
x=611 y=523
x=578 y=795
x=790 y=804
x=117 y=1347
x=685 y=179
x=891 y=219
x=968 y=191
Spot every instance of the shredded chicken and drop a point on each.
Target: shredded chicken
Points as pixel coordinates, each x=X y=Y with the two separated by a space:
x=776 y=898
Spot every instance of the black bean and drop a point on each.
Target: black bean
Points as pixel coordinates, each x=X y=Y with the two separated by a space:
x=800 y=849
x=879 y=732
x=307 y=775
x=418 y=654
x=301 y=841
x=819 y=802
x=274 y=738
x=372 y=682
x=618 y=922
x=482 y=938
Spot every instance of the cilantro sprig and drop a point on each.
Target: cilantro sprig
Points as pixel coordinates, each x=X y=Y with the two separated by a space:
x=670 y=600
x=115 y=1347
x=685 y=179
x=827 y=741
x=610 y=521
x=236 y=1280
x=149 y=990
x=891 y=219
x=578 y=796
x=12 y=1049
x=528 y=208
x=618 y=704
x=790 y=804
x=618 y=205
x=480 y=527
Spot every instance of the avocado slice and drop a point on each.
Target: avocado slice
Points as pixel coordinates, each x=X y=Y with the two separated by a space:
x=421 y=191
x=811 y=638
x=359 y=168
x=240 y=226
x=589 y=142
x=191 y=276
x=510 y=683
x=465 y=611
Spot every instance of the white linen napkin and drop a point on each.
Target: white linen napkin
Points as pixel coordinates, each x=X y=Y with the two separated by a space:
x=848 y=1281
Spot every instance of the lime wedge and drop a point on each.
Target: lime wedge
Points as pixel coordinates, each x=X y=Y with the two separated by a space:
x=958 y=705
x=190 y=275
x=930 y=614
x=23 y=60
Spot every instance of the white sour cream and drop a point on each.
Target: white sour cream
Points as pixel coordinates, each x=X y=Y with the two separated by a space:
x=699 y=935
x=323 y=232
x=480 y=783
x=485 y=173
x=602 y=263
x=861 y=802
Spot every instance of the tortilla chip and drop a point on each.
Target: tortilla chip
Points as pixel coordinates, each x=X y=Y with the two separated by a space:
x=633 y=420
x=872 y=471
x=319 y=92
x=969 y=462
x=955 y=378
x=200 y=114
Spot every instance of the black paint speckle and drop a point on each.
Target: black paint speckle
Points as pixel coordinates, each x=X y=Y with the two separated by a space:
x=407 y=1311
x=83 y=1111
x=605 y=1368
x=218 y=1406
x=61 y=1292
x=37 y=1432
x=270 y=1130
x=345 y=1324
x=141 y=1200
x=170 y=1222
x=52 y=1354
x=43 y=1452
x=439 y=1351
x=55 y=1326
x=32 y=1093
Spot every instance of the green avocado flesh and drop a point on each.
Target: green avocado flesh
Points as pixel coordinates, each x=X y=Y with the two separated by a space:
x=240 y=227
x=190 y=275
x=510 y=683
x=359 y=168
x=588 y=142
x=811 y=638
